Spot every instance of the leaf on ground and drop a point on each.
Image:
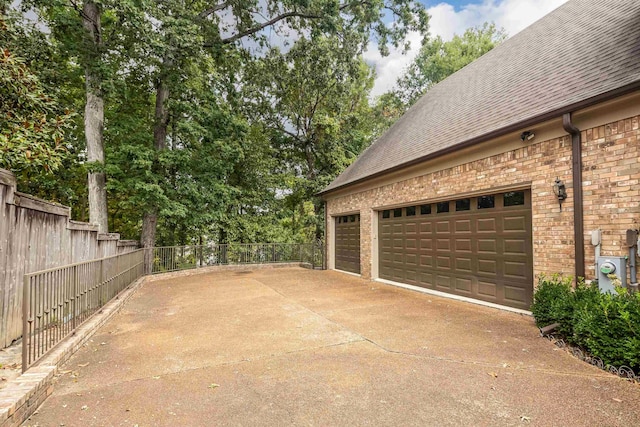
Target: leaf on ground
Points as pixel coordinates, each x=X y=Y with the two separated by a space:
x=157 y=377
x=214 y=385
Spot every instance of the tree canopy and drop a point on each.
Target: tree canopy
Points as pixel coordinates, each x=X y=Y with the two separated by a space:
x=217 y=121
x=33 y=125
x=438 y=59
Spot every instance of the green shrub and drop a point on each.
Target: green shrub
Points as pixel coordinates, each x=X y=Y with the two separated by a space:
x=605 y=325
x=610 y=328
x=552 y=301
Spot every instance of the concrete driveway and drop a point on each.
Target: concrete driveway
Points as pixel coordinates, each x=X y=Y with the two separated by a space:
x=300 y=347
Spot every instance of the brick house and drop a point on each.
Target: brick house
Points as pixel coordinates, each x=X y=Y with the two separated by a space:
x=457 y=197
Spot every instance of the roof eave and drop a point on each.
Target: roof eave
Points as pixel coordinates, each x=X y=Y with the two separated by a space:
x=603 y=97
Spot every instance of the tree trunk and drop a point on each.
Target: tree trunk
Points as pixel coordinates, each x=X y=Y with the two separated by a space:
x=148 y=238
x=150 y=218
x=94 y=118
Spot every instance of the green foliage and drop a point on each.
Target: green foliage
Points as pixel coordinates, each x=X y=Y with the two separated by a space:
x=438 y=59
x=552 y=300
x=314 y=103
x=32 y=124
x=606 y=325
x=228 y=168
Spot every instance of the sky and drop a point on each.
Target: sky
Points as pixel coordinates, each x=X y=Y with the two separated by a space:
x=451 y=17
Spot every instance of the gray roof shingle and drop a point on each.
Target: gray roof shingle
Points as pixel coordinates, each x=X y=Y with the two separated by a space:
x=581 y=50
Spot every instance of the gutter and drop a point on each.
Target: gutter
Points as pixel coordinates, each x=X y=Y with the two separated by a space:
x=578 y=206
x=603 y=97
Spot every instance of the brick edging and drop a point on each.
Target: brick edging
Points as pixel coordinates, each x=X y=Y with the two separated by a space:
x=23 y=395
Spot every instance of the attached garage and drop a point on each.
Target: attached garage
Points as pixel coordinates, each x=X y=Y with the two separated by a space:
x=478 y=247
x=348 y=243
x=501 y=171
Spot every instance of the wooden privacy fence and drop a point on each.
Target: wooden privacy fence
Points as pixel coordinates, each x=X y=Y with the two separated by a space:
x=58 y=300
x=35 y=235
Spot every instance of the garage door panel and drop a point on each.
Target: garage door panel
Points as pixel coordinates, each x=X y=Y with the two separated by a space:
x=486 y=225
x=443 y=262
x=463 y=245
x=443 y=227
x=487 y=289
x=426 y=261
x=515 y=270
x=482 y=252
x=463 y=226
x=487 y=267
x=515 y=247
x=514 y=223
x=443 y=283
x=426 y=244
x=410 y=228
x=443 y=244
x=426 y=280
x=425 y=227
x=515 y=294
x=411 y=260
x=463 y=285
x=463 y=265
x=411 y=277
x=487 y=246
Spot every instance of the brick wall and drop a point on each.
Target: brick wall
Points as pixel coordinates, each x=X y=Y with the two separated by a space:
x=611 y=171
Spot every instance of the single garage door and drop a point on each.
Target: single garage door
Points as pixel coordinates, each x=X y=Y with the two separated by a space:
x=478 y=247
x=348 y=243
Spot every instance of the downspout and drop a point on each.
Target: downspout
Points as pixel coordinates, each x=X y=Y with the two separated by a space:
x=325 y=247
x=578 y=207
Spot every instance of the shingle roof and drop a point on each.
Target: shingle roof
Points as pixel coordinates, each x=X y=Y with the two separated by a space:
x=581 y=50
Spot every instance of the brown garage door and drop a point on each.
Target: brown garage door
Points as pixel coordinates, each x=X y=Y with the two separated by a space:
x=478 y=247
x=348 y=243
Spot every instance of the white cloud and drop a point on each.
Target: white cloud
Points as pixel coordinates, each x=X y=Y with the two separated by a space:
x=512 y=15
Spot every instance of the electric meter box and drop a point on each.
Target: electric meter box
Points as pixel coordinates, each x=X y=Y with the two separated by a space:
x=610 y=268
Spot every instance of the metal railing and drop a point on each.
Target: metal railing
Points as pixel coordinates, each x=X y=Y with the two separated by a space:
x=56 y=301
x=174 y=258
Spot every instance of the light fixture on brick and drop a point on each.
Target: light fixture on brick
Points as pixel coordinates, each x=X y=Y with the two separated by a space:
x=527 y=136
x=560 y=191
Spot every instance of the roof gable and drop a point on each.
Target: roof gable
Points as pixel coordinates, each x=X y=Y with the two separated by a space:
x=581 y=50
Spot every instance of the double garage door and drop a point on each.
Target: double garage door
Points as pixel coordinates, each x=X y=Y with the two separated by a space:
x=477 y=247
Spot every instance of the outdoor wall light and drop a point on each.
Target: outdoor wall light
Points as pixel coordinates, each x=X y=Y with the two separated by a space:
x=560 y=191
x=527 y=136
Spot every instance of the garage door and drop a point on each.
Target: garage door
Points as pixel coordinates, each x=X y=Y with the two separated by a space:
x=478 y=247
x=348 y=243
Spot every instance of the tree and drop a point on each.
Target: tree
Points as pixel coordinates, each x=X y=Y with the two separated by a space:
x=438 y=59
x=313 y=101
x=169 y=76
x=32 y=124
x=94 y=114
x=202 y=21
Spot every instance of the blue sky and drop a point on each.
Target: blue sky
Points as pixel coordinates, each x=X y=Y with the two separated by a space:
x=449 y=17
x=455 y=3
